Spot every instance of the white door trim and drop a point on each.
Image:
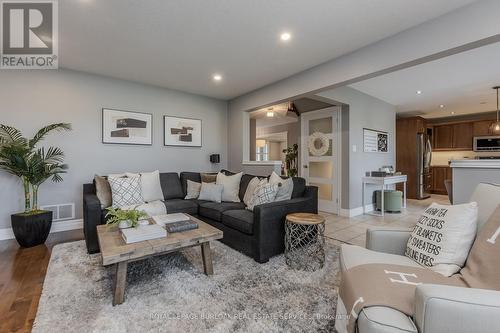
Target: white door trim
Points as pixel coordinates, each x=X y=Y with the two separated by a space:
x=338 y=145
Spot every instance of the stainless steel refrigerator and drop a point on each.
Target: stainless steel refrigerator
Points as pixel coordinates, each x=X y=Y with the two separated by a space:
x=424 y=157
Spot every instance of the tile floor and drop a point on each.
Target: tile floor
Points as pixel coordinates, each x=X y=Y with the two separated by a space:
x=352 y=230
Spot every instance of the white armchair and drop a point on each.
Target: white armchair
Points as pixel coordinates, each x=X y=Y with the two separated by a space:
x=438 y=308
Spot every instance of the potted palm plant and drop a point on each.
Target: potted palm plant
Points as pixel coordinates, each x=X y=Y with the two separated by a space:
x=21 y=157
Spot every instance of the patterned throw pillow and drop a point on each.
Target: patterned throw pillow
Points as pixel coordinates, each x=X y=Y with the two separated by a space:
x=264 y=193
x=443 y=236
x=126 y=191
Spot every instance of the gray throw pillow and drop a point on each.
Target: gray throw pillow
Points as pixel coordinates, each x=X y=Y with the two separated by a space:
x=103 y=191
x=286 y=188
x=211 y=192
x=193 y=190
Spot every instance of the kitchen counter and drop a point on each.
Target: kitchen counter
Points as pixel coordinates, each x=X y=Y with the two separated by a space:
x=468 y=173
x=473 y=163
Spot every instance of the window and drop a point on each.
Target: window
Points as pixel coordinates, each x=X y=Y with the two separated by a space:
x=262 y=150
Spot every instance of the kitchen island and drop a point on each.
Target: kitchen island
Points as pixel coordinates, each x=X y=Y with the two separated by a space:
x=467 y=173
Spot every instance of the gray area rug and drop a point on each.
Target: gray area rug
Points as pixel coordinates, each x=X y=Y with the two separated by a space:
x=170 y=293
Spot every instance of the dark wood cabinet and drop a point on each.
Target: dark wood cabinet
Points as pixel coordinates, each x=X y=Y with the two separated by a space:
x=481 y=128
x=462 y=136
x=456 y=136
x=443 y=137
x=439 y=175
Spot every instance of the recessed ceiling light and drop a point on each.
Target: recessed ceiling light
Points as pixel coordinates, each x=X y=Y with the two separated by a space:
x=285 y=36
x=452 y=112
x=442 y=106
x=419 y=92
x=217 y=77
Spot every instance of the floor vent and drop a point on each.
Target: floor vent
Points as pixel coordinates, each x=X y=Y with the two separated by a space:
x=61 y=212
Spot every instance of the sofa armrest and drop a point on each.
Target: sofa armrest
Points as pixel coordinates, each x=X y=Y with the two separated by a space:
x=269 y=222
x=388 y=239
x=91 y=219
x=441 y=308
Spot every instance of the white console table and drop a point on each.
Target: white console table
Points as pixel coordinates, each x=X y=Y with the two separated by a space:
x=382 y=182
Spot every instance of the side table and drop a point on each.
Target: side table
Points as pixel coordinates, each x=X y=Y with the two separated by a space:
x=304 y=241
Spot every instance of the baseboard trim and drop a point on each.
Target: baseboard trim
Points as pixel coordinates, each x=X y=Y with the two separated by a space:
x=356 y=211
x=6 y=233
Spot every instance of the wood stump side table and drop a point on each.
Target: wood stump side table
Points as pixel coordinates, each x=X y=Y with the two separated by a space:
x=304 y=241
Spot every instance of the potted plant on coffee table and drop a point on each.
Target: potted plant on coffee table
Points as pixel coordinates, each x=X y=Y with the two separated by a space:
x=20 y=157
x=125 y=218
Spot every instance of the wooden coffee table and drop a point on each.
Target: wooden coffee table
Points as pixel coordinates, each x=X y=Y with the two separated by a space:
x=116 y=252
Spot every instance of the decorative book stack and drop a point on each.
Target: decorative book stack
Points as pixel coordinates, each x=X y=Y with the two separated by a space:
x=176 y=222
x=143 y=233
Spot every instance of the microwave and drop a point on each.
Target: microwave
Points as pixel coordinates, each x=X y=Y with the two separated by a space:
x=487 y=143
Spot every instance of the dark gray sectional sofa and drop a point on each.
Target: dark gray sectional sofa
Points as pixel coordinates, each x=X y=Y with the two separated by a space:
x=258 y=234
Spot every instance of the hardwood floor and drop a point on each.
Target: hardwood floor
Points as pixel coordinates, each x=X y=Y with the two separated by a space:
x=22 y=272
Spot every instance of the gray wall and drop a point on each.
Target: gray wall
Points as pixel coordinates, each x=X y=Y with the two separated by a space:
x=364 y=112
x=36 y=98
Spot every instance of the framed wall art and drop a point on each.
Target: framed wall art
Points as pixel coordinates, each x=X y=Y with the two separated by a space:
x=375 y=141
x=184 y=132
x=126 y=127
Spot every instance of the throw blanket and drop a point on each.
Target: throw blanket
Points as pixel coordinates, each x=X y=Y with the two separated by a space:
x=386 y=285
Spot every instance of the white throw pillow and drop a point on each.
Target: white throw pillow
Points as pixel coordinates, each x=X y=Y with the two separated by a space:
x=443 y=236
x=264 y=193
x=231 y=186
x=150 y=185
x=125 y=191
x=252 y=185
x=286 y=188
x=211 y=192
x=193 y=190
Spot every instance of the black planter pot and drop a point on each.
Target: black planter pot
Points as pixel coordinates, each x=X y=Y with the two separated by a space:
x=31 y=230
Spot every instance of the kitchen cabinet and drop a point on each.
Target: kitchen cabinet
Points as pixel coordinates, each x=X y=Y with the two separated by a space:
x=453 y=136
x=462 y=136
x=443 y=137
x=481 y=128
x=439 y=175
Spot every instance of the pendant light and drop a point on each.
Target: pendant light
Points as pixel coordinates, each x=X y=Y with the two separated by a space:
x=495 y=127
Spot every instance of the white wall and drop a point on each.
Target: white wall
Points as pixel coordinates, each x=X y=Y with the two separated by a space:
x=364 y=112
x=32 y=99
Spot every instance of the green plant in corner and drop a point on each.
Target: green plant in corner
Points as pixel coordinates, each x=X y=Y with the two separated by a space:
x=20 y=157
x=291 y=160
x=117 y=215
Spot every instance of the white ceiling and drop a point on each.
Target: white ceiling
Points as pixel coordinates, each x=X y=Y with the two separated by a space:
x=180 y=44
x=461 y=82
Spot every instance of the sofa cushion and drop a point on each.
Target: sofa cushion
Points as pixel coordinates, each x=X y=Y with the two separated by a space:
x=192 y=176
x=241 y=220
x=352 y=255
x=181 y=206
x=299 y=187
x=171 y=186
x=214 y=210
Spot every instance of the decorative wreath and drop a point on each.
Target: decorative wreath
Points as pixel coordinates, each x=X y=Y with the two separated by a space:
x=318 y=144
